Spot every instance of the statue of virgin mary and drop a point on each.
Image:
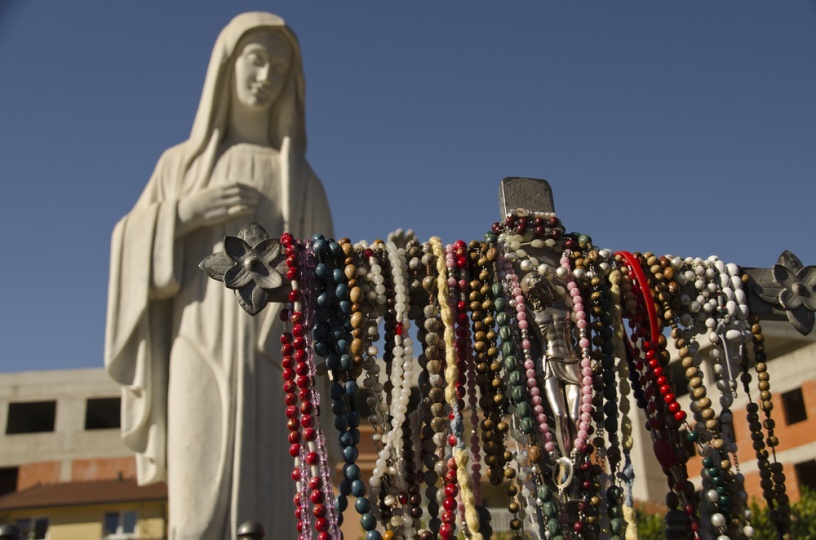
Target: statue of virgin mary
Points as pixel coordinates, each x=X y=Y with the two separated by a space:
x=202 y=392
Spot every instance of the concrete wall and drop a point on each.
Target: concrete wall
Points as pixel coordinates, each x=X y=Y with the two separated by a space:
x=69 y=452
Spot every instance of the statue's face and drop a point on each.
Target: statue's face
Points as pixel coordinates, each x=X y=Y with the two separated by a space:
x=260 y=68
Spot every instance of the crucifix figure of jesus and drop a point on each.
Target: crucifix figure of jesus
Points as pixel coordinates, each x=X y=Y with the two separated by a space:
x=559 y=363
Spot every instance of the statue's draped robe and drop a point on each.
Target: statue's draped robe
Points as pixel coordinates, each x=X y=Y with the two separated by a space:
x=202 y=386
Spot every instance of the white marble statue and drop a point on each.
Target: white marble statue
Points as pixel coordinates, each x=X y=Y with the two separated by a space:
x=202 y=389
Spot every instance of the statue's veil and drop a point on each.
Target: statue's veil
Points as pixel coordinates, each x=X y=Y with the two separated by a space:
x=287 y=123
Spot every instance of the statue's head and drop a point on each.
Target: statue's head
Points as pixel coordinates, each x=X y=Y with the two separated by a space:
x=261 y=62
x=255 y=63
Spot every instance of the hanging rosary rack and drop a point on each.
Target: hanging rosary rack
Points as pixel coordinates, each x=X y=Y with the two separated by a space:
x=528 y=348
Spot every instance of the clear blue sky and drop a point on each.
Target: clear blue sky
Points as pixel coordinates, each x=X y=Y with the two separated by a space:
x=674 y=127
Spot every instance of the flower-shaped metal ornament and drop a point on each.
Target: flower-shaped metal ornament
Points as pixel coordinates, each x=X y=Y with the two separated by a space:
x=797 y=294
x=253 y=265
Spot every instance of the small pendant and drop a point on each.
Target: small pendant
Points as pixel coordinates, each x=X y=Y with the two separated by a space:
x=562 y=473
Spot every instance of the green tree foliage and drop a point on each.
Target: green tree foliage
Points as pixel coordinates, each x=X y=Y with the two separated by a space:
x=650 y=526
x=803 y=521
x=803 y=518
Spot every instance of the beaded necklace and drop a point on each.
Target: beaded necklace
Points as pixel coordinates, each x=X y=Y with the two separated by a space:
x=573 y=266
x=770 y=470
x=387 y=480
x=456 y=263
x=474 y=306
x=618 y=289
x=412 y=446
x=606 y=414
x=447 y=528
x=492 y=399
x=726 y=337
x=337 y=337
x=434 y=433
x=518 y=392
x=303 y=404
x=457 y=356
x=427 y=325
x=371 y=304
x=658 y=390
x=293 y=350
x=402 y=380
x=711 y=281
x=499 y=460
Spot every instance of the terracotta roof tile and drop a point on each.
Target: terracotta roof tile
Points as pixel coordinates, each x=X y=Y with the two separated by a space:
x=82 y=493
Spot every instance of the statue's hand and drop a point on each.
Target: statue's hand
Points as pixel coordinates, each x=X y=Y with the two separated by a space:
x=215 y=204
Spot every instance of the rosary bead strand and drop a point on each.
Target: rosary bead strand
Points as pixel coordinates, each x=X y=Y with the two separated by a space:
x=427 y=336
x=316 y=456
x=473 y=301
x=463 y=357
x=727 y=337
x=344 y=387
x=293 y=350
x=659 y=392
x=518 y=392
x=448 y=526
x=433 y=459
x=403 y=354
x=773 y=477
x=611 y=495
x=627 y=473
x=458 y=464
x=492 y=400
x=573 y=267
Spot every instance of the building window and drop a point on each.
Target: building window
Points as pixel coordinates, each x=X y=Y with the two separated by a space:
x=120 y=524
x=806 y=474
x=103 y=413
x=31 y=417
x=33 y=528
x=794 y=405
x=8 y=479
